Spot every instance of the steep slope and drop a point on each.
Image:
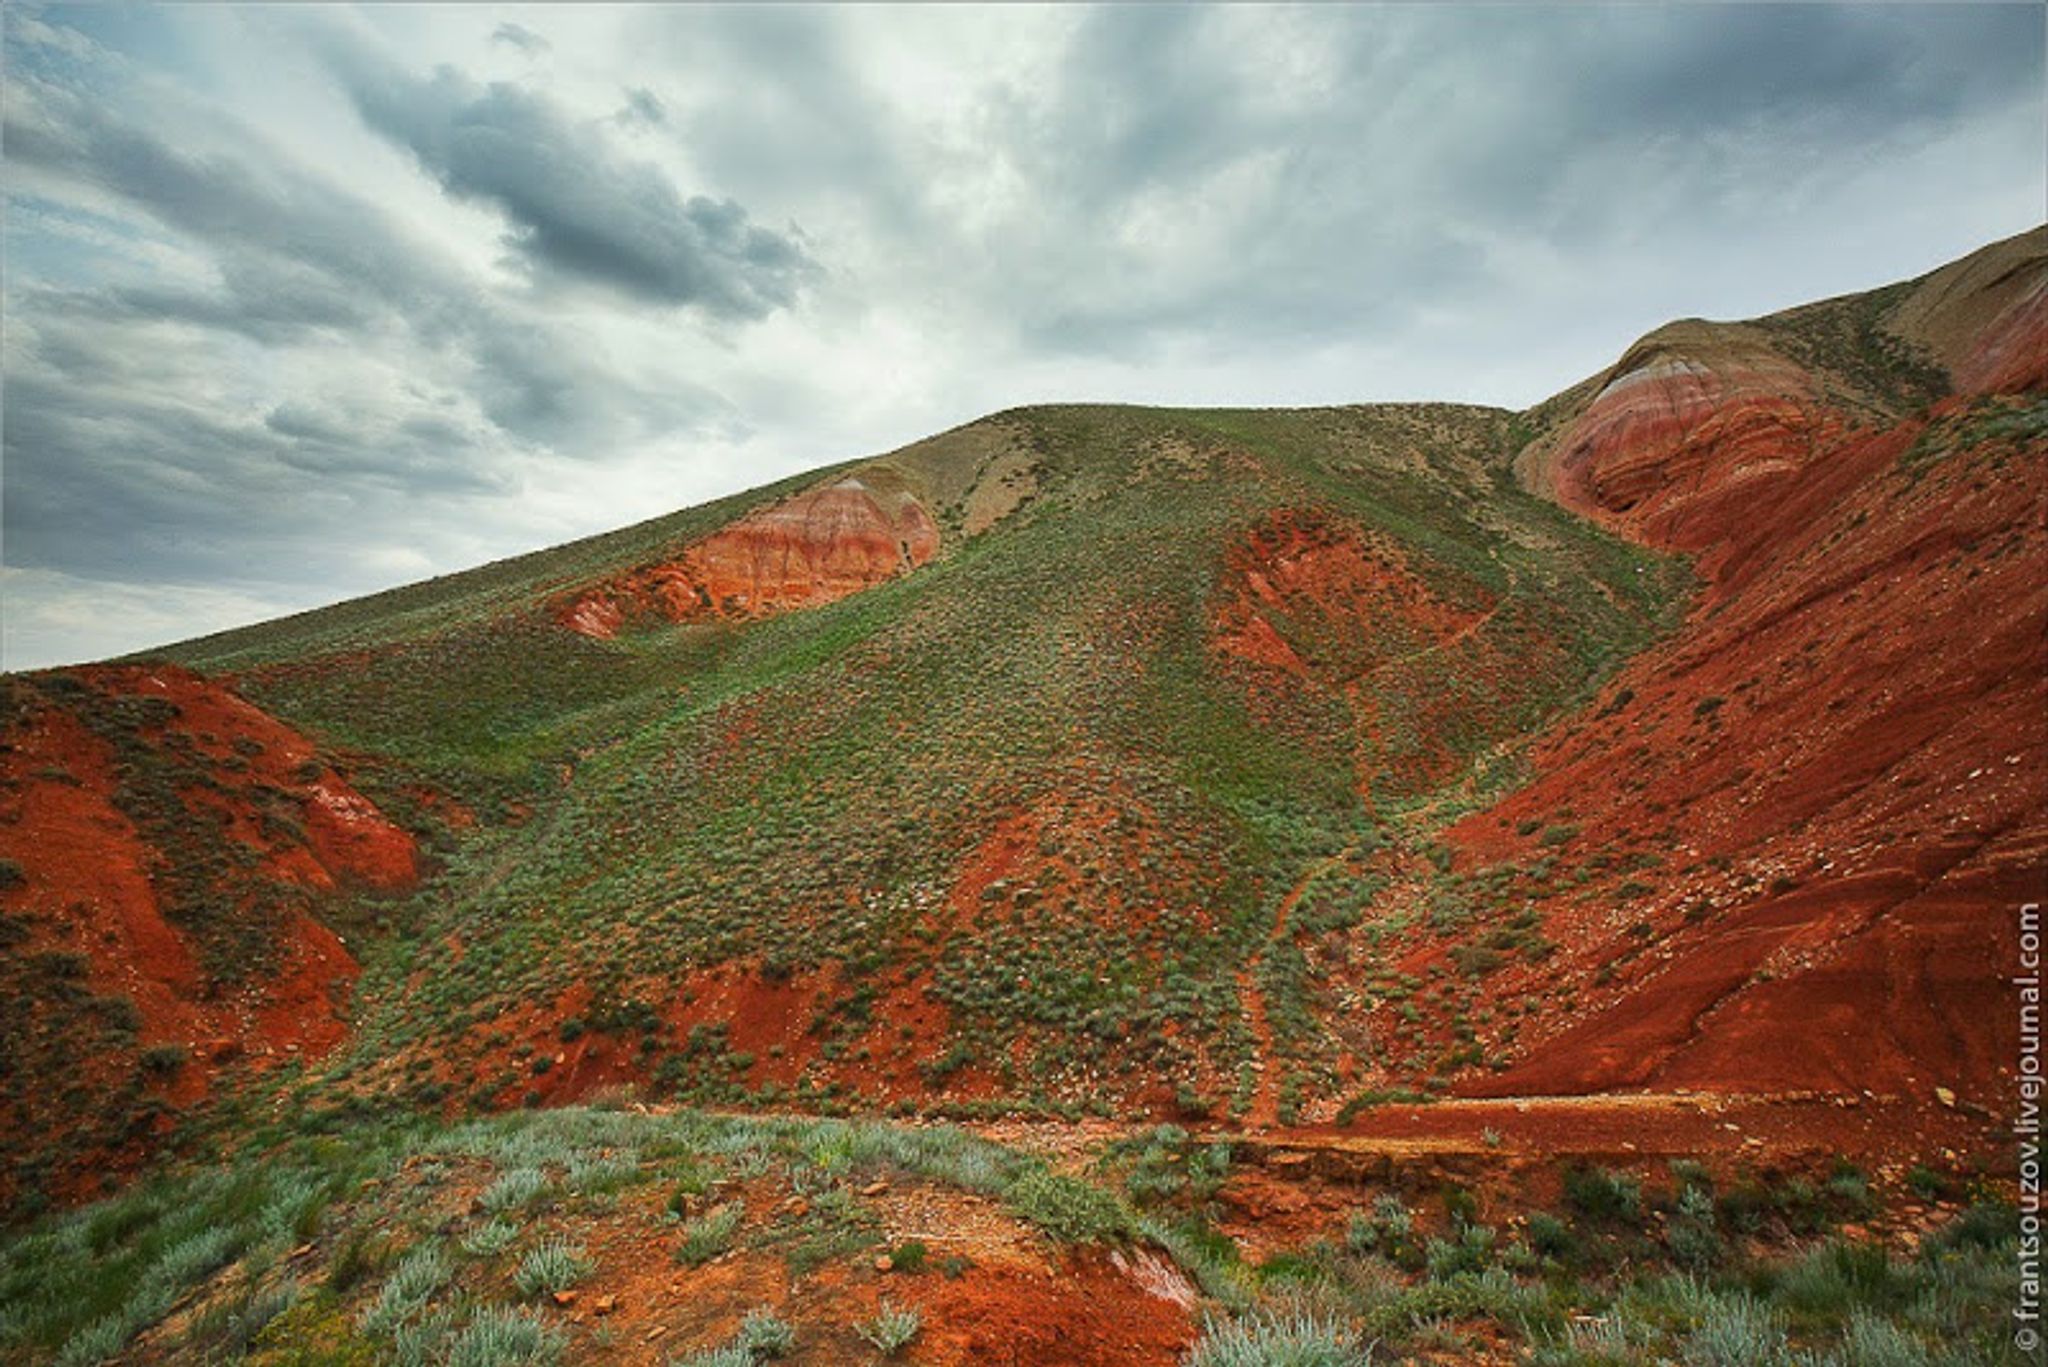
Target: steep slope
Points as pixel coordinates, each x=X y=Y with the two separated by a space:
x=1785 y=850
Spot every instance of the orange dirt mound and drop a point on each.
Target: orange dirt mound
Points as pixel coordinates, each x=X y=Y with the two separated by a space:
x=815 y=548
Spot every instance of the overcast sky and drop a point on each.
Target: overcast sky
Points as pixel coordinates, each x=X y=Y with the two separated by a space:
x=303 y=302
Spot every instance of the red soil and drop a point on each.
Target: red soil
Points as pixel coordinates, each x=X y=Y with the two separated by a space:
x=1698 y=424
x=1833 y=781
x=1304 y=582
x=1311 y=612
x=1083 y=1313
x=815 y=548
x=1013 y=1300
x=91 y=884
x=778 y=1022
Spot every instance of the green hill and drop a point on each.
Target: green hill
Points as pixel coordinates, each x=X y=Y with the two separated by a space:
x=805 y=799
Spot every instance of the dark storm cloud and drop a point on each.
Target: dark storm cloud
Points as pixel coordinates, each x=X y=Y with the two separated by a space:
x=124 y=456
x=1690 y=103
x=1442 y=125
x=265 y=301
x=269 y=224
x=128 y=450
x=1723 y=66
x=820 y=123
x=294 y=253
x=575 y=206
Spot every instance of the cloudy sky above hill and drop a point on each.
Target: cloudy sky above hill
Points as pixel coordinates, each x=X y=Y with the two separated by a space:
x=302 y=302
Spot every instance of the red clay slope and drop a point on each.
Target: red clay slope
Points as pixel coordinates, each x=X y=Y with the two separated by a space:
x=820 y=546
x=1841 y=760
x=166 y=844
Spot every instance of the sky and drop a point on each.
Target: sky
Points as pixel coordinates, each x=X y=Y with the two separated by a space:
x=302 y=302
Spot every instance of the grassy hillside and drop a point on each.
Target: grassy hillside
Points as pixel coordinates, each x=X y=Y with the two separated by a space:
x=1020 y=798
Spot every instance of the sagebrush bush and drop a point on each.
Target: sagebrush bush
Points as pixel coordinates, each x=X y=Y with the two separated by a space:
x=513 y=1190
x=554 y=1266
x=492 y=1237
x=724 y=1355
x=1070 y=1210
x=766 y=1334
x=893 y=1328
x=1738 y=1331
x=1291 y=1341
x=706 y=1238
x=499 y=1337
x=420 y=1273
x=1602 y=1195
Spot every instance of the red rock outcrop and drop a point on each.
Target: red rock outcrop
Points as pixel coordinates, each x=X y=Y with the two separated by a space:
x=2012 y=354
x=1696 y=424
x=818 y=547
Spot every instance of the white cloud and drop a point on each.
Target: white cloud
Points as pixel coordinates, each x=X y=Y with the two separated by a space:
x=259 y=355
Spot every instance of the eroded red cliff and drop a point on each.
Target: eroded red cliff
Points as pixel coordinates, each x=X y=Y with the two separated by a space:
x=1801 y=828
x=816 y=548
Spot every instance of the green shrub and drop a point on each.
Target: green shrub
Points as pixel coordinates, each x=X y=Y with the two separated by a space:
x=513 y=1190
x=500 y=1337
x=1290 y=1341
x=1873 y=1342
x=892 y=1328
x=554 y=1266
x=725 y=1355
x=1550 y=1236
x=164 y=1059
x=1470 y=1251
x=1738 y=1331
x=765 y=1334
x=1691 y=1235
x=706 y=1238
x=419 y=1275
x=1070 y=1210
x=493 y=1237
x=1926 y=1183
x=1838 y=1276
x=100 y=1341
x=1604 y=1196
x=1986 y=1225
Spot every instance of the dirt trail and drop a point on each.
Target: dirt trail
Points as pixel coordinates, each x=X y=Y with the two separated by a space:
x=1265 y=1107
x=1496 y=1136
